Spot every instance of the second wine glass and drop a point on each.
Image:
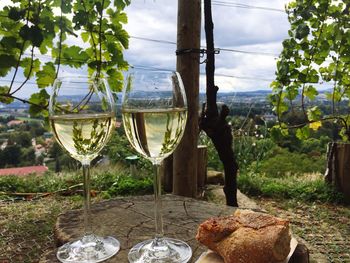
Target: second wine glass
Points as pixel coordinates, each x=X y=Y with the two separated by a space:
x=154 y=111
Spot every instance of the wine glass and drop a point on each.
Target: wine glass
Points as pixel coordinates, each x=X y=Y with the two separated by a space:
x=82 y=118
x=154 y=110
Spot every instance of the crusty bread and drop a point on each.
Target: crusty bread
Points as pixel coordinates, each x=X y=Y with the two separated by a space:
x=247 y=237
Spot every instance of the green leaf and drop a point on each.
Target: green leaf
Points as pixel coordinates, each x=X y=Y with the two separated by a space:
x=16 y=14
x=6 y=63
x=9 y=43
x=115 y=79
x=66 y=6
x=85 y=36
x=303 y=133
x=74 y=56
x=25 y=33
x=3 y=91
x=302 y=31
x=40 y=100
x=314 y=113
x=310 y=92
x=26 y=63
x=46 y=76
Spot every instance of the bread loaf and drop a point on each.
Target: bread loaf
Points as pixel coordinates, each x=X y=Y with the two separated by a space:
x=247 y=237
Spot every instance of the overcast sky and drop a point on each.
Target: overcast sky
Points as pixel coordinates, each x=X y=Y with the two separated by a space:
x=240 y=29
x=249 y=28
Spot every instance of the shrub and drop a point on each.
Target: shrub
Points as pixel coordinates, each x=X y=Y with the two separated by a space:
x=296 y=187
x=283 y=162
x=112 y=182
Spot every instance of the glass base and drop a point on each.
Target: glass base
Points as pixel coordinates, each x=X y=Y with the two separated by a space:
x=165 y=250
x=89 y=249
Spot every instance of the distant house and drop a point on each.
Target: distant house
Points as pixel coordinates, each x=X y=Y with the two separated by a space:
x=39 y=150
x=269 y=117
x=23 y=171
x=47 y=135
x=14 y=123
x=4 y=144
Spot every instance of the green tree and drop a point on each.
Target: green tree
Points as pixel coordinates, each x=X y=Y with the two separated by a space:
x=23 y=139
x=27 y=157
x=315 y=54
x=11 y=156
x=31 y=30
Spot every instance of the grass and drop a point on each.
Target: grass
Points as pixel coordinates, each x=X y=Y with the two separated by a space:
x=305 y=187
x=26 y=228
x=324 y=226
x=108 y=181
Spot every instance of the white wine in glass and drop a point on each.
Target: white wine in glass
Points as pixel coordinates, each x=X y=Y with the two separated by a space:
x=154 y=111
x=82 y=118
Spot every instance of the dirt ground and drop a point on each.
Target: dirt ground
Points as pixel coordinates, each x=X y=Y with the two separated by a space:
x=324 y=228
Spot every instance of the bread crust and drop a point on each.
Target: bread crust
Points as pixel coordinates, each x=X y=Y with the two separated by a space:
x=247 y=237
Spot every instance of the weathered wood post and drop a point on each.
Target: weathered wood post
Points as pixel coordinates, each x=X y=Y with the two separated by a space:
x=188 y=41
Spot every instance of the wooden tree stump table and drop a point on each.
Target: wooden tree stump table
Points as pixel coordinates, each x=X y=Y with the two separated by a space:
x=131 y=220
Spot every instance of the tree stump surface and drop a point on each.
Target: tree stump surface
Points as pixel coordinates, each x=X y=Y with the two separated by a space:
x=131 y=220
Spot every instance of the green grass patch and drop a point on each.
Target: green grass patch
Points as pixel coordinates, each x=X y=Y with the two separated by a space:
x=299 y=187
x=111 y=181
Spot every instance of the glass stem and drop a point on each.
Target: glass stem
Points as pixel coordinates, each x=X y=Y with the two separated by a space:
x=158 y=203
x=87 y=199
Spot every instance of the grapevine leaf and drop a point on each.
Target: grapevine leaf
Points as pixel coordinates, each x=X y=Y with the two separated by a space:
x=16 y=13
x=315 y=125
x=36 y=36
x=6 y=62
x=26 y=63
x=302 y=31
x=46 y=76
x=303 y=133
x=314 y=113
x=310 y=92
x=39 y=103
x=3 y=91
x=74 y=56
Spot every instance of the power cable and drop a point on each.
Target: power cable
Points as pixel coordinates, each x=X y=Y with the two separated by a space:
x=245 y=6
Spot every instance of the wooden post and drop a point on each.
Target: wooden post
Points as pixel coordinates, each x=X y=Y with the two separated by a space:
x=188 y=37
x=167 y=174
x=338 y=168
x=202 y=168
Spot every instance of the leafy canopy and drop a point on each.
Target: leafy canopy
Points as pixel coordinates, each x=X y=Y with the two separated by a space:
x=316 y=53
x=36 y=38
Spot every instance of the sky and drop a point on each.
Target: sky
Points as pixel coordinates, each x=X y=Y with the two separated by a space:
x=252 y=33
x=240 y=29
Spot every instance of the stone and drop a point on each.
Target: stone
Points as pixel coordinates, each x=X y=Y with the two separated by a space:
x=215 y=177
